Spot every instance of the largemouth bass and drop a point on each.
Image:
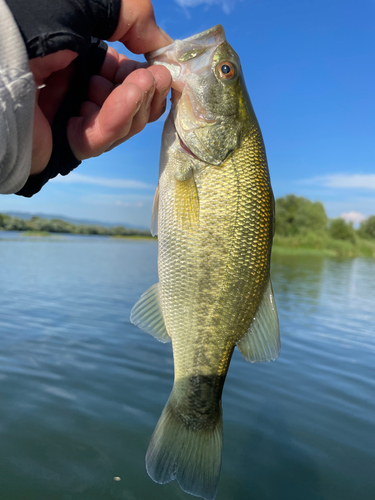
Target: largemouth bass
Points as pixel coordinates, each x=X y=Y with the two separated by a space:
x=214 y=214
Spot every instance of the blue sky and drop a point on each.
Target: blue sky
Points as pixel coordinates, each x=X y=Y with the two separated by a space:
x=310 y=72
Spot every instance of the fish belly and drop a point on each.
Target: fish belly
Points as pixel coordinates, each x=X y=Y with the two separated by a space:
x=215 y=234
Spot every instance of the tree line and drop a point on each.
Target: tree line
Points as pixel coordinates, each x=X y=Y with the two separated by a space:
x=38 y=224
x=296 y=216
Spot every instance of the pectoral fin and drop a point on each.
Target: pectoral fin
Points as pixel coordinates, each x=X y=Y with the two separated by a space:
x=261 y=342
x=148 y=316
x=186 y=203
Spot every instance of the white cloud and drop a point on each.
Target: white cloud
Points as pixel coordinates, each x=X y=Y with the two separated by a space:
x=75 y=178
x=352 y=216
x=344 y=181
x=127 y=204
x=227 y=5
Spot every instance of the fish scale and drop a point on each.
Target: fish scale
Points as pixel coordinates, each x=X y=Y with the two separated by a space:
x=214 y=209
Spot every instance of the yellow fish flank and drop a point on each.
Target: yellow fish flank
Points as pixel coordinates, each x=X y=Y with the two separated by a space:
x=214 y=214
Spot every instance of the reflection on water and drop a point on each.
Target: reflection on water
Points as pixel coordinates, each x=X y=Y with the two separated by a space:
x=81 y=388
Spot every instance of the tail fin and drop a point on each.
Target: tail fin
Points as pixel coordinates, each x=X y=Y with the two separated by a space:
x=192 y=456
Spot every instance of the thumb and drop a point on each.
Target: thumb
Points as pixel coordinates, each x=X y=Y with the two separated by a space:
x=137 y=28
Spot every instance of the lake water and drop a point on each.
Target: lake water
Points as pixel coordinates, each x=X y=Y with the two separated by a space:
x=81 y=388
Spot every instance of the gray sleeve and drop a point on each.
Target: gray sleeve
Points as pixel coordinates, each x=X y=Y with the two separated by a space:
x=17 y=101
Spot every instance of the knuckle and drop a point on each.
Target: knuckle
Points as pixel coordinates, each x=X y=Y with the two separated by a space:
x=146 y=12
x=144 y=78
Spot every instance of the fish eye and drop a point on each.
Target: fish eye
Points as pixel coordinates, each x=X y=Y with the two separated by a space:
x=226 y=70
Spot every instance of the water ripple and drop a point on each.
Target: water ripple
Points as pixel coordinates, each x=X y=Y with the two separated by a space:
x=81 y=388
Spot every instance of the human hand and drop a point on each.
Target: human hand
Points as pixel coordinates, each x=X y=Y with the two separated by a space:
x=122 y=99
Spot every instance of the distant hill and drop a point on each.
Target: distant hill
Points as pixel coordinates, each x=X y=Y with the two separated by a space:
x=72 y=220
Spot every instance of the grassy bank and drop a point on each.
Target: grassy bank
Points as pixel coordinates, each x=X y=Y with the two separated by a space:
x=38 y=233
x=134 y=237
x=323 y=244
x=38 y=226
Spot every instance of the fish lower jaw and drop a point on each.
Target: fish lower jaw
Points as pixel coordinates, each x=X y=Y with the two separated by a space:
x=185 y=148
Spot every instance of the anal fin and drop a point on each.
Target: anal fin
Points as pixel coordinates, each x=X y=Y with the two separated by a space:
x=148 y=316
x=261 y=342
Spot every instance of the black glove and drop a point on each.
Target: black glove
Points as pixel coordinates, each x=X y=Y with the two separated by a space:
x=49 y=26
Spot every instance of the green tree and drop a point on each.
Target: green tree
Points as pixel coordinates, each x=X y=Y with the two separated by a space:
x=298 y=215
x=14 y=224
x=367 y=228
x=4 y=220
x=341 y=230
x=59 y=226
x=38 y=224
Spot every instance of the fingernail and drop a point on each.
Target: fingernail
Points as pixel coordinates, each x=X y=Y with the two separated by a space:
x=165 y=35
x=164 y=106
x=149 y=95
x=138 y=104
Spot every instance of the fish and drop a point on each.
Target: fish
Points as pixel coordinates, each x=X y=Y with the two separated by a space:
x=213 y=213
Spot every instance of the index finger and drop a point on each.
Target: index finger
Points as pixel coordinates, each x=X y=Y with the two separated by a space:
x=137 y=28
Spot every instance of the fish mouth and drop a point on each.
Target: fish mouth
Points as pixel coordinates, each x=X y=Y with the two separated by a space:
x=197 y=114
x=175 y=98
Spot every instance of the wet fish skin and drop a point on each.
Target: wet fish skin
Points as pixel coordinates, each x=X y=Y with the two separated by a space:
x=215 y=226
